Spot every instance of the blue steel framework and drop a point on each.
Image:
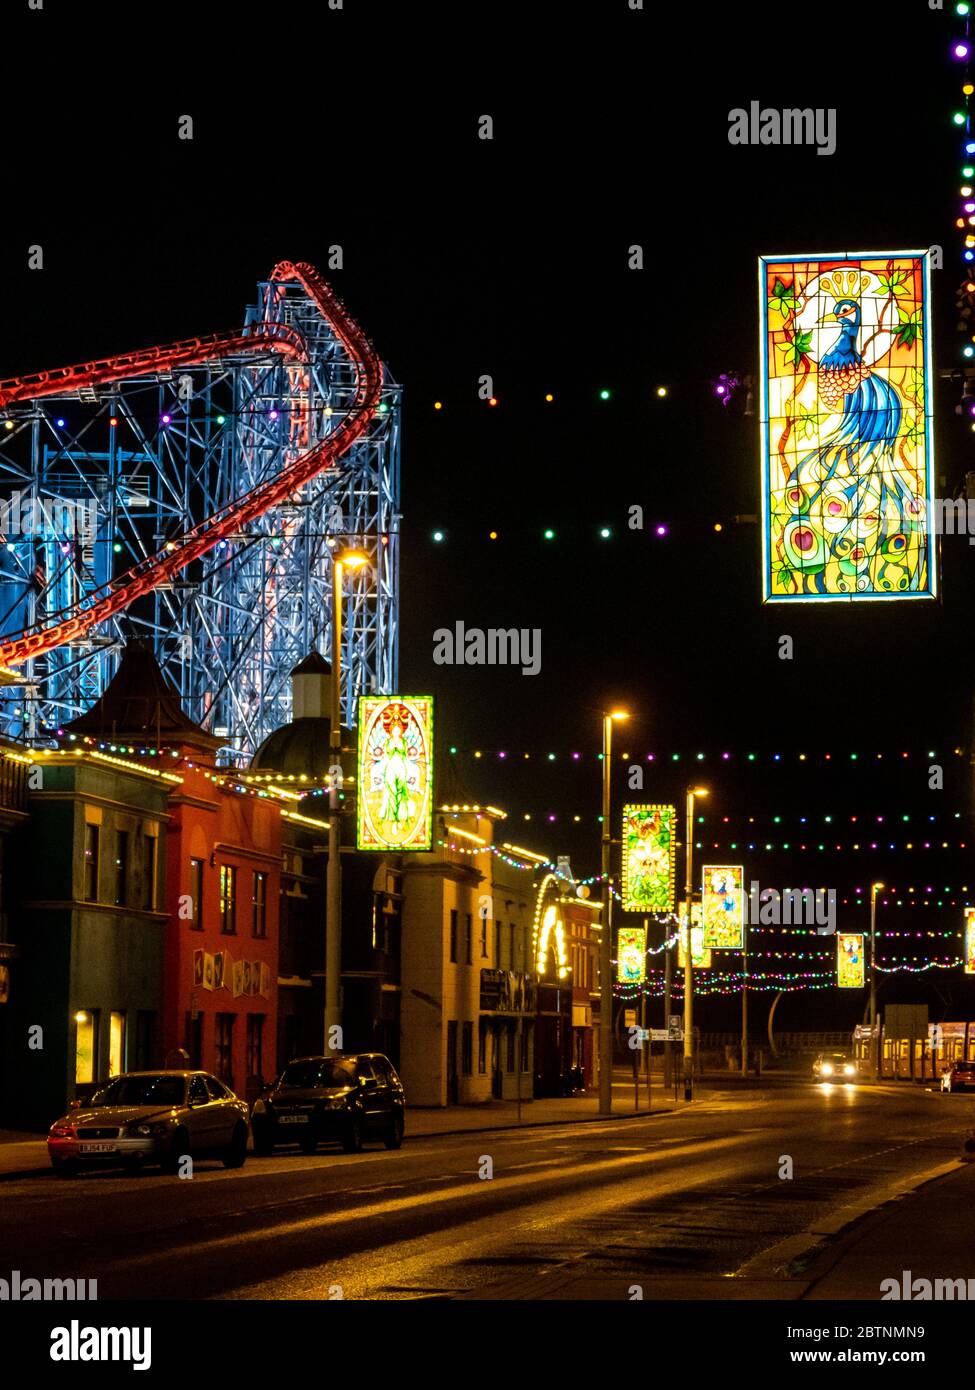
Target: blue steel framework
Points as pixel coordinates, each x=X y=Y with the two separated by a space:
x=156 y=454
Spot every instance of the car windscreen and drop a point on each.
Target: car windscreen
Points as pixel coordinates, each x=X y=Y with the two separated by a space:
x=142 y=1090
x=325 y=1073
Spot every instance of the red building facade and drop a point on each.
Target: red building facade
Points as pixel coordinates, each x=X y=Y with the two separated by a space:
x=223 y=885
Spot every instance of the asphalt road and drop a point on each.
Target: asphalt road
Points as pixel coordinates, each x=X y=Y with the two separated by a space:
x=698 y=1191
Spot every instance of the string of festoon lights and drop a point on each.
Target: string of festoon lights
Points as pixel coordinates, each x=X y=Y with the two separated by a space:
x=725 y=755
x=961 y=53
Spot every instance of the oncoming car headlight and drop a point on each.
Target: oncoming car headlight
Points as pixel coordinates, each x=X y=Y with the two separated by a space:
x=827 y=1069
x=61 y=1131
x=849 y=1070
x=259 y=1107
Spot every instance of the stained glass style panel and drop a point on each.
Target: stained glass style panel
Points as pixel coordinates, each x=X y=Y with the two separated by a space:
x=849 y=960
x=648 y=858
x=847 y=454
x=631 y=955
x=722 y=896
x=395 y=772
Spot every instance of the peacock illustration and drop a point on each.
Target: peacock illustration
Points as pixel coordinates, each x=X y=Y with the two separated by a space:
x=854 y=516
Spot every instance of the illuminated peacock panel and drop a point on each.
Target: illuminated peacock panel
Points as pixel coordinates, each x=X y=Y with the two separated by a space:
x=846 y=427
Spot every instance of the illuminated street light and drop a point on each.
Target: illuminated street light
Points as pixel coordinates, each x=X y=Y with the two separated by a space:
x=692 y=792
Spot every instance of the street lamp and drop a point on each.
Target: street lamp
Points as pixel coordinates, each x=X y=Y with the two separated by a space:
x=606 y=934
x=692 y=792
x=341 y=561
x=875 y=888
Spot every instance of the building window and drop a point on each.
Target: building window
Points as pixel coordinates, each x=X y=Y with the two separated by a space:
x=228 y=899
x=482 y=1037
x=196 y=894
x=509 y=1061
x=469 y=938
x=512 y=947
x=498 y=932
x=91 y=863
x=149 y=869
x=466 y=1048
x=86 y=1045
x=116 y=1043
x=225 y=1047
x=484 y=937
x=525 y=1040
x=453 y=934
x=259 y=909
x=255 y=1045
x=121 y=867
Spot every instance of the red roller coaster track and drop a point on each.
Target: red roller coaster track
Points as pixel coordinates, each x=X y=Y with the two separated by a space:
x=116 y=595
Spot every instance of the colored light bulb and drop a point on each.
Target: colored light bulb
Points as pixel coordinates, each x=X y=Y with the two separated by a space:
x=604 y=395
x=959 y=118
x=960 y=50
x=438 y=535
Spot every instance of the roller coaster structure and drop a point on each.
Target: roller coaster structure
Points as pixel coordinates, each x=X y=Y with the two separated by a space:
x=191 y=495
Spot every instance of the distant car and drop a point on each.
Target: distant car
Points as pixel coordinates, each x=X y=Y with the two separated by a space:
x=152 y=1117
x=958 y=1077
x=834 y=1066
x=348 y=1098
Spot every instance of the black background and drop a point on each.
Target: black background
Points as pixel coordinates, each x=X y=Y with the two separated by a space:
x=464 y=257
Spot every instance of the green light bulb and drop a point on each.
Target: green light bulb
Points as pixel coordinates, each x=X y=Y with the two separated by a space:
x=959 y=118
x=221 y=419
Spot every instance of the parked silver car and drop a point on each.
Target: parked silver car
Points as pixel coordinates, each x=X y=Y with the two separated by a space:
x=152 y=1117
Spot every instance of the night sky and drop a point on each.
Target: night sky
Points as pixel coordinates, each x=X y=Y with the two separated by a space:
x=509 y=258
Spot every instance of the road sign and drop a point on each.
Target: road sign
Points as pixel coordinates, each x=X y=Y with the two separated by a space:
x=629 y=1018
x=659 y=1034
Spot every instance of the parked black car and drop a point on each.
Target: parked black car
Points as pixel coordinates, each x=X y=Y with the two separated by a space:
x=348 y=1098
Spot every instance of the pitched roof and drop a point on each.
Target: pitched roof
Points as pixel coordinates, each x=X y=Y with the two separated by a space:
x=139 y=702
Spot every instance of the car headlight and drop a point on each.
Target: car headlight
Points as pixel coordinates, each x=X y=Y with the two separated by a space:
x=827 y=1069
x=259 y=1107
x=338 y=1104
x=848 y=1070
x=149 y=1131
x=61 y=1132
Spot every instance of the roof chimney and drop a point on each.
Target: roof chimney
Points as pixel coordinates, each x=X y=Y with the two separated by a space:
x=311 y=688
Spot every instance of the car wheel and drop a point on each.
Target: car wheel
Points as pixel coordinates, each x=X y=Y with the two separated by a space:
x=394 y=1135
x=64 y=1167
x=352 y=1138
x=178 y=1148
x=236 y=1155
x=263 y=1141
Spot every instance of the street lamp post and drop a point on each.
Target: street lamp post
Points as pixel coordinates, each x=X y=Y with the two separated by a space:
x=874 y=889
x=347 y=559
x=606 y=934
x=692 y=792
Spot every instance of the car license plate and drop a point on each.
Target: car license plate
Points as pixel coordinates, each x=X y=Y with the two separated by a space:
x=102 y=1148
x=293 y=1119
